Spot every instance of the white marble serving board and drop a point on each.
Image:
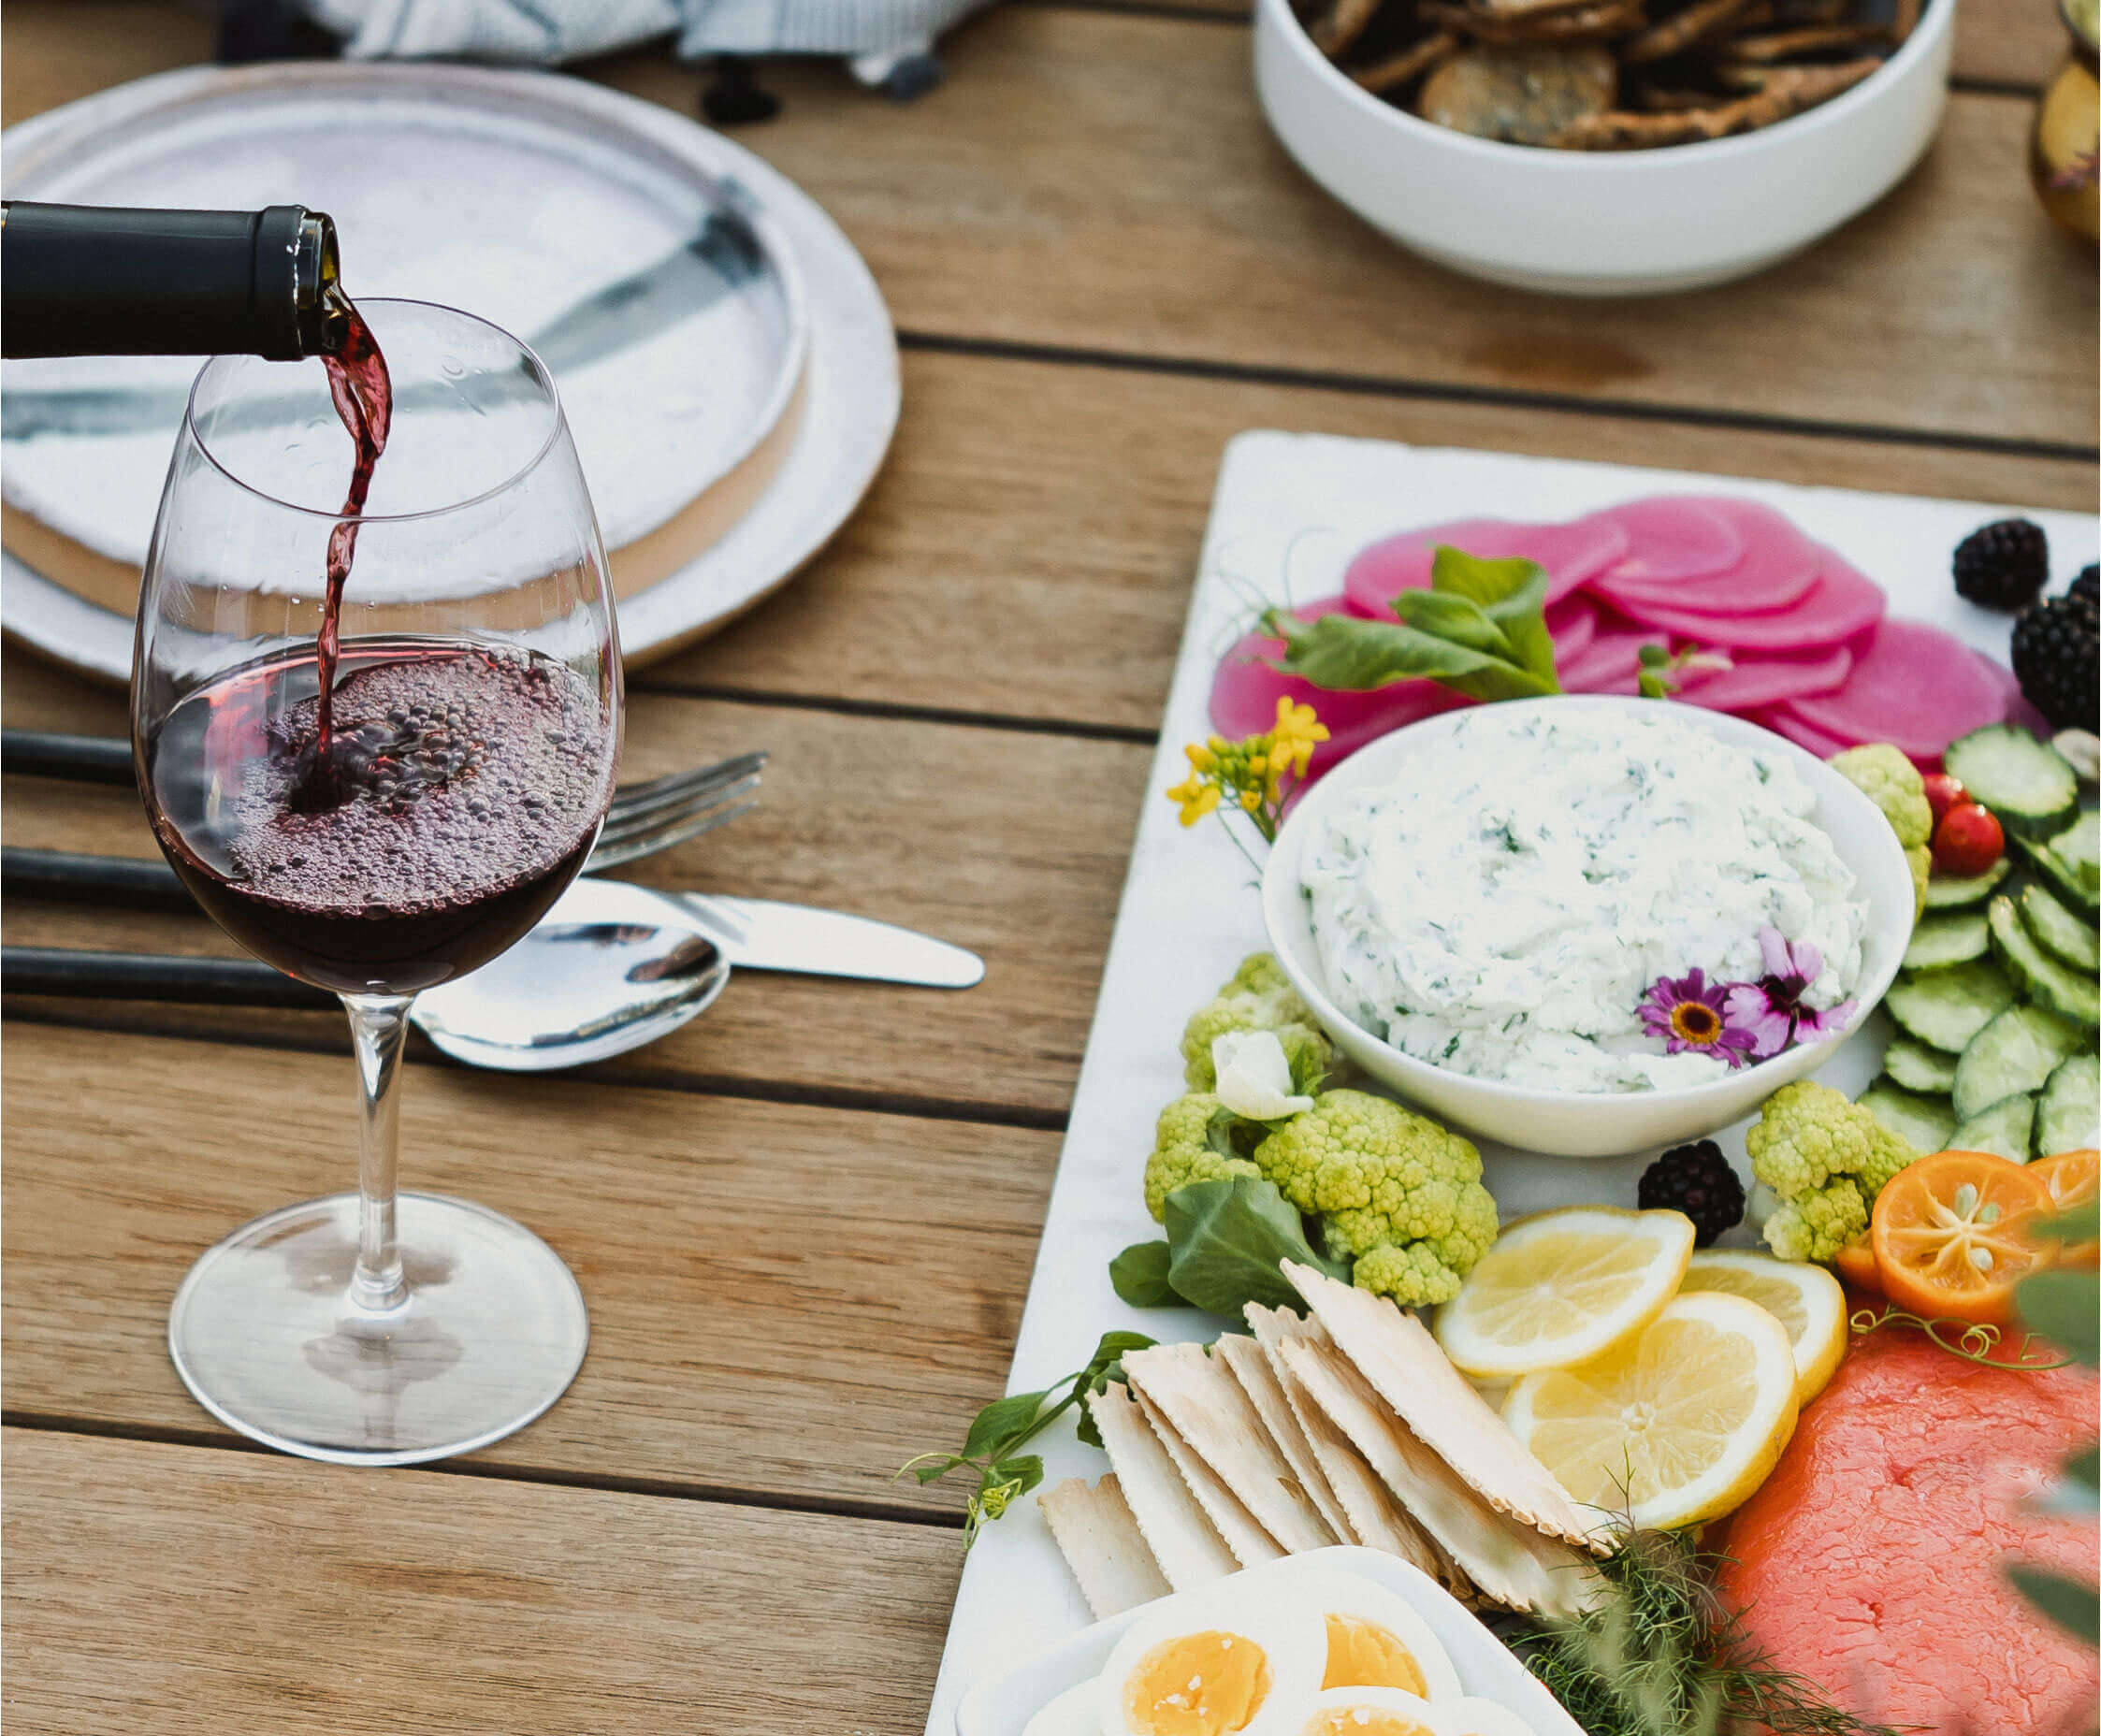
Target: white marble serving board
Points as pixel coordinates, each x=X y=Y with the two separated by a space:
x=1289 y=512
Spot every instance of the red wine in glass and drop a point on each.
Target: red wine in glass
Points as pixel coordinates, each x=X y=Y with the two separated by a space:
x=364 y=398
x=466 y=787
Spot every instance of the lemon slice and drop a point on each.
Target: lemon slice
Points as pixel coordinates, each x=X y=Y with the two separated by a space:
x=1676 y=1427
x=1563 y=1287
x=1806 y=1299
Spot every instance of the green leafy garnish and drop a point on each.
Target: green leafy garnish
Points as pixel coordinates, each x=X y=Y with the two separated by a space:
x=1480 y=629
x=993 y=1448
x=1660 y=1656
x=2065 y=1306
x=1658 y=668
x=1972 y=1340
x=1226 y=1242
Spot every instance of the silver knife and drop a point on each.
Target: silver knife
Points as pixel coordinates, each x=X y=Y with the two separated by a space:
x=762 y=934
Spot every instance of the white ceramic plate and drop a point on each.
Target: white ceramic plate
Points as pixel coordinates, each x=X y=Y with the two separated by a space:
x=760 y=365
x=1002 y=1704
x=1589 y=1123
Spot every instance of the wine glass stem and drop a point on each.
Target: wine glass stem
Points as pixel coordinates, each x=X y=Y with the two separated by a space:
x=379 y=1024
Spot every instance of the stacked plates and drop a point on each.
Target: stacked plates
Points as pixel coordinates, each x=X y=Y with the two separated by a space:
x=725 y=359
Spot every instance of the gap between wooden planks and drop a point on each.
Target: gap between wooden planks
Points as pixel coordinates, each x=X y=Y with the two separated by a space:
x=187 y=1592
x=785 y=1301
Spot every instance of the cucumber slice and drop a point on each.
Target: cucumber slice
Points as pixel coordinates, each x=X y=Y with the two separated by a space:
x=1958 y=891
x=2002 y=1127
x=2069 y=1113
x=1940 y=942
x=1916 y=1067
x=2028 y=784
x=1945 y=1008
x=2016 y=1052
x=2079 y=849
x=1926 y=1121
x=2060 y=875
x=2041 y=977
x=2074 y=942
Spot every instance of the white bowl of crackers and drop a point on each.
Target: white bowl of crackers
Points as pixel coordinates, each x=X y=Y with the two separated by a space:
x=1605 y=147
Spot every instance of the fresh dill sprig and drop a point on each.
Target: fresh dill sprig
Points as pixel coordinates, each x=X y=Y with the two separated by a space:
x=1660 y=1656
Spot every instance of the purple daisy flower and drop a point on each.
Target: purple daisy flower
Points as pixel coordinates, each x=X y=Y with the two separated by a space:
x=1691 y=1016
x=1771 y=1009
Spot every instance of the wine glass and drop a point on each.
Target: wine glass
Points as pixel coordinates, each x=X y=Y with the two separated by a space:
x=470 y=753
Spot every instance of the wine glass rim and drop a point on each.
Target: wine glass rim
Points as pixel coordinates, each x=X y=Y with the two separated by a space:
x=539 y=372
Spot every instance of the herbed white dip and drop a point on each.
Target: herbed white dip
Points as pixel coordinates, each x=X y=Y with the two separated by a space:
x=1502 y=910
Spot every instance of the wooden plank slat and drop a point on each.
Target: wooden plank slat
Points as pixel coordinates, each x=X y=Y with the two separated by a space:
x=1010 y=844
x=187 y=1592
x=783 y=1300
x=1106 y=181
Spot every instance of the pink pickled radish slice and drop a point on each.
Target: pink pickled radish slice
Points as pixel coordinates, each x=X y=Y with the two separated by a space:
x=1911 y=685
x=1245 y=691
x=1756 y=681
x=1776 y=568
x=1571 y=553
x=1819 y=742
x=1571 y=625
x=1838 y=605
x=1606 y=665
x=1673 y=537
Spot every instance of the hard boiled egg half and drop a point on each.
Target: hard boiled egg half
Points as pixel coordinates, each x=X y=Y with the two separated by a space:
x=1374 y=1637
x=1390 y=1712
x=1230 y=1659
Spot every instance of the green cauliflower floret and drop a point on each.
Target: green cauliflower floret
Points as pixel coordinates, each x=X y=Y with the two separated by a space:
x=1827 y=1158
x=1889 y=779
x=1395 y=1191
x=1260 y=998
x=1183 y=1151
x=1918 y=858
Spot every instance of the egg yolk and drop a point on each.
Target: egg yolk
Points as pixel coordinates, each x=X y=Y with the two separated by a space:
x=1364 y=1721
x=1197 y=1685
x=1362 y=1654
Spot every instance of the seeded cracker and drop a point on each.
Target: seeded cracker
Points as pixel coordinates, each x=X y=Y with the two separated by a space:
x=1099 y=1538
x=1188 y=1551
x=1245 y=1360
x=1250 y=1543
x=1395 y=1352
x=1205 y=1407
x=1508 y=1561
x=1525 y=96
x=1375 y=1515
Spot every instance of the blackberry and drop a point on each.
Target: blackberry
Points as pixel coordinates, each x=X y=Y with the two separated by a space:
x=2003 y=566
x=1697 y=1181
x=2087 y=589
x=2057 y=660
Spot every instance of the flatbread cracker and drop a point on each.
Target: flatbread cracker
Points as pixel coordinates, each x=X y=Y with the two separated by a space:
x=1097 y=1533
x=1395 y=1352
x=1506 y=1559
x=1250 y=1543
x=1377 y=1518
x=1245 y=1360
x=1188 y=1552
x=1210 y=1413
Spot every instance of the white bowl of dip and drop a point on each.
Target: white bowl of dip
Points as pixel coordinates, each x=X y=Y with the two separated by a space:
x=1599 y=1123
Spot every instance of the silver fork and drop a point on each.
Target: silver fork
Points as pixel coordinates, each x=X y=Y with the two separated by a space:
x=655 y=814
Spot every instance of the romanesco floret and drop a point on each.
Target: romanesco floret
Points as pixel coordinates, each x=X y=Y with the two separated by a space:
x=1183 y=1151
x=1827 y=1158
x=1888 y=778
x=1395 y=1191
x=1260 y=998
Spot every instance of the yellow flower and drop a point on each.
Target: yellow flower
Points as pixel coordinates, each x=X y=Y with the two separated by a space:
x=1202 y=758
x=1298 y=731
x=1196 y=797
x=1250 y=800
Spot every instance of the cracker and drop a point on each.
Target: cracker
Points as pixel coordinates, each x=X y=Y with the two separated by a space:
x=1681 y=30
x=1410 y=63
x=1396 y=1352
x=1508 y=1561
x=1778 y=45
x=1376 y=1518
x=1245 y=1360
x=1247 y=1543
x=1523 y=96
x=1098 y=1535
x=1209 y=1411
x=1188 y=1551
x=1342 y=24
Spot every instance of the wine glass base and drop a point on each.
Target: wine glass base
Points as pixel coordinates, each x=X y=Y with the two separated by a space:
x=266 y=1337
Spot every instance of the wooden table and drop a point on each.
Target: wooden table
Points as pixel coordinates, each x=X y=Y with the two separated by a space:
x=805 y=1223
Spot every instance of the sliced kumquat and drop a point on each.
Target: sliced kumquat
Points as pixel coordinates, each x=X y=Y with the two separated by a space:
x=1953 y=1234
x=2073 y=1178
x=1855 y=1265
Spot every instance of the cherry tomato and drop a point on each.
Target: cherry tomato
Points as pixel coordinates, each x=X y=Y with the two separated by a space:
x=1953 y=1235
x=1968 y=840
x=1943 y=793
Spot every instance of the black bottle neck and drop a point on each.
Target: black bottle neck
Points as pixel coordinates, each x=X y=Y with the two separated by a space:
x=94 y=280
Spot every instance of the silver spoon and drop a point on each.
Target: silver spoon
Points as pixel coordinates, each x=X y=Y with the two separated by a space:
x=589 y=983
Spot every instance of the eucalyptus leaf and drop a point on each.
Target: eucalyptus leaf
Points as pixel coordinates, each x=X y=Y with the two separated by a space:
x=2065 y=1307
x=2074 y=1607
x=1229 y=1238
x=1139 y=1275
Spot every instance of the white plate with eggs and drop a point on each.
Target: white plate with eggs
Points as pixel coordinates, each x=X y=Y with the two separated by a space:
x=1249 y=1655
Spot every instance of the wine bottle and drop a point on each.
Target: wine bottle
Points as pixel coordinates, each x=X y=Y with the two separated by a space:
x=95 y=280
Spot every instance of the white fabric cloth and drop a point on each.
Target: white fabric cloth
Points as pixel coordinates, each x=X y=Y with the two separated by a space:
x=546 y=31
